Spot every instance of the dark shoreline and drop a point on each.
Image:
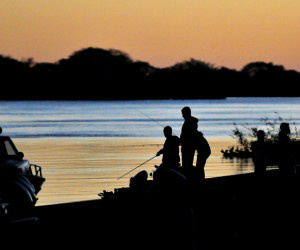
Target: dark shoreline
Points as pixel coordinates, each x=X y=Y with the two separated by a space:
x=234 y=211
x=98 y=74
x=82 y=99
x=153 y=99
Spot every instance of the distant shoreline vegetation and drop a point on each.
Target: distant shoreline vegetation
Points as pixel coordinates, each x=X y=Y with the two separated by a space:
x=245 y=135
x=99 y=74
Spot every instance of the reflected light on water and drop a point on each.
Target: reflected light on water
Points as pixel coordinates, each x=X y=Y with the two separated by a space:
x=79 y=169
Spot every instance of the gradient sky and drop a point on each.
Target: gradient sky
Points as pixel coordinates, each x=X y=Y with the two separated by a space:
x=228 y=33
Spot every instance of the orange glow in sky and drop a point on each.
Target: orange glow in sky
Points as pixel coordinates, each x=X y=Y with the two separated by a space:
x=227 y=33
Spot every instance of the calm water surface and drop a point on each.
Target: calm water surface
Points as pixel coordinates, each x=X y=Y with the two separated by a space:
x=84 y=146
x=31 y=119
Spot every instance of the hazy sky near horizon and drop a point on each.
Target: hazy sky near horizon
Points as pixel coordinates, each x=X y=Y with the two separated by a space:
x=227 y=33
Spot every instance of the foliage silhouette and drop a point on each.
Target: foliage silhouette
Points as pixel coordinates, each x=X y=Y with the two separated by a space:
x=99 y=74
x=245 y=136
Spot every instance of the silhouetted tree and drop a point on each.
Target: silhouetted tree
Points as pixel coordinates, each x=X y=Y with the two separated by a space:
x=268 y=79
x=112 y=72
x=14 y=75
x=95 y=73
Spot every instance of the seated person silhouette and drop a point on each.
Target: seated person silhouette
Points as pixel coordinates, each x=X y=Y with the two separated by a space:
x=170 y=151
x=167 y=176
x=258 y=148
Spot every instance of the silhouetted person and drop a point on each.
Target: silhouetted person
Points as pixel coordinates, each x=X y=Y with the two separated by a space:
x=188 y=137
x=138 y=183
x=285 y=151
x=259 y=153
x=203 y=152
x=170 y=150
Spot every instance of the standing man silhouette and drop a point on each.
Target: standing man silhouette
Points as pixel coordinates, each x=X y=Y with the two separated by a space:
x=188 y=137
x=285 y=154
x=259 y=153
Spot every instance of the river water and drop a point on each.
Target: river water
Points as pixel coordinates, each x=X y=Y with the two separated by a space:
x=84 y=146
x=38 y=119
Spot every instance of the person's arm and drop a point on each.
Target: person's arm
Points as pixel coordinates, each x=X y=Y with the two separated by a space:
x=160 y=152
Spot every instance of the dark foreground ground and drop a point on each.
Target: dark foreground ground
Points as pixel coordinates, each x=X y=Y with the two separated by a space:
x=236 y=212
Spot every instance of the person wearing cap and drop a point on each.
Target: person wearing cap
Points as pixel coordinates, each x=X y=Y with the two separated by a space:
x=188 y=137
x=170 y=151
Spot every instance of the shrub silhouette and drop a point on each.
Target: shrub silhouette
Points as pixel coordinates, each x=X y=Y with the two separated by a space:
x=99 y=74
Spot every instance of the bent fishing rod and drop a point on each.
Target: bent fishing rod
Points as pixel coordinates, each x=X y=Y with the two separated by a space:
x=151 y=157
x=137 y=167
x=153 y=120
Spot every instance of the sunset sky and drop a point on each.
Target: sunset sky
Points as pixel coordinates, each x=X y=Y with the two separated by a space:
x=227 y=33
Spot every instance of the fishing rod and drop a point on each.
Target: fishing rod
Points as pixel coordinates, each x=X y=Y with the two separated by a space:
x=151 y=118
x=137 y=167
x=150 y=158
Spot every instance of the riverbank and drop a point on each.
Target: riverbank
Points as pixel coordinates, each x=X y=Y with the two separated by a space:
x=233 y=212
x=77 y=169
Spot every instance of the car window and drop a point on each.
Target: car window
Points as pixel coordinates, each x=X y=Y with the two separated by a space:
x=9 y=149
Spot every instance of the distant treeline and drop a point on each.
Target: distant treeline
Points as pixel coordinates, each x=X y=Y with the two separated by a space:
x=98 y=74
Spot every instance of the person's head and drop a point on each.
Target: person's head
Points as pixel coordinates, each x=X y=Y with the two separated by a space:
x=167 y=131
x=260 y=135
x=285 y=128
x=186 y=112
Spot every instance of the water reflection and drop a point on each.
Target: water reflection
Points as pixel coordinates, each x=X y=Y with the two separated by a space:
x=244 y=165
x=79 y=169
